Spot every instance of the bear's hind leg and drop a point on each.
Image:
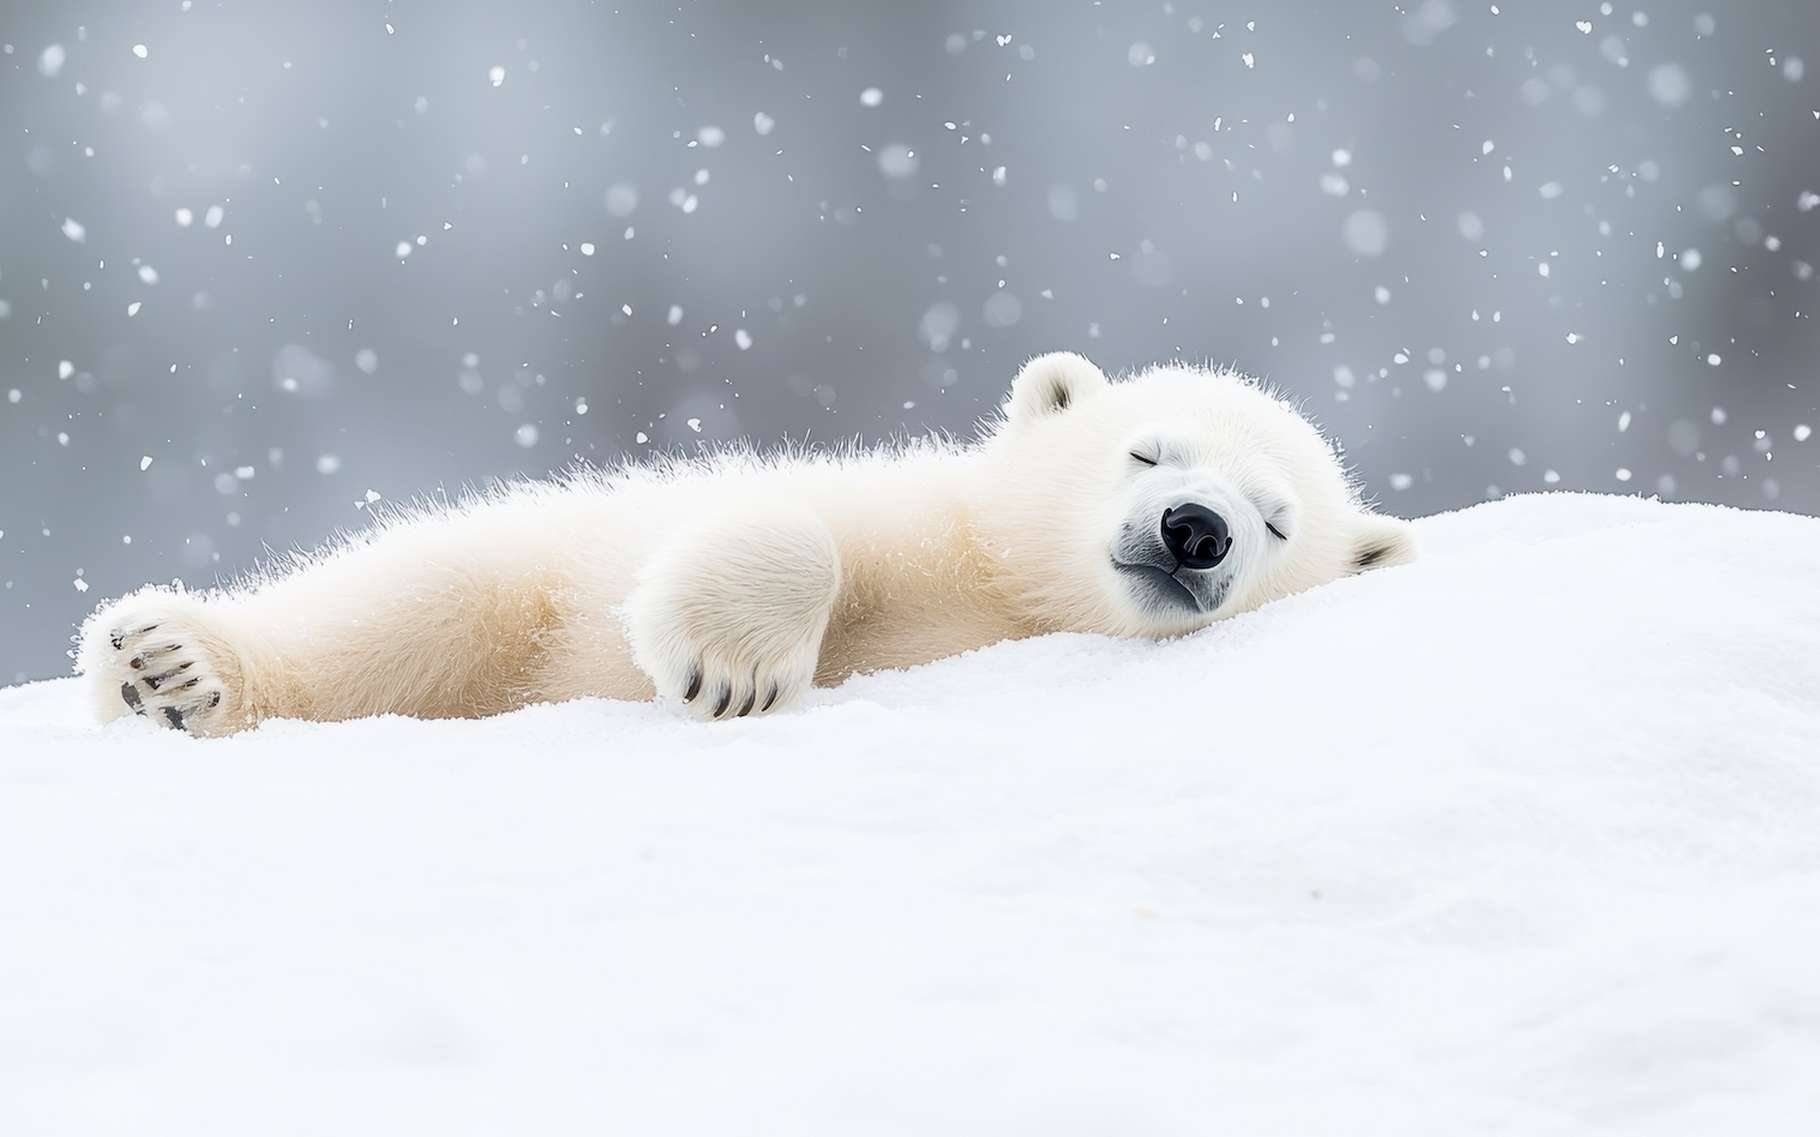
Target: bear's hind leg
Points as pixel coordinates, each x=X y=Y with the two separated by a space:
x=440 y=616
x=729 y=617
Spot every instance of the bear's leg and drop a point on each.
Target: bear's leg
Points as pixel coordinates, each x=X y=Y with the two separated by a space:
x=437 y=617
x=729 y=616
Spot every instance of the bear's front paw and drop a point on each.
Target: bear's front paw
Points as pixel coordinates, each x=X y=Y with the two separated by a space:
x=729 y=618
x=728 y=675
x=155 y=654
x=722 y=669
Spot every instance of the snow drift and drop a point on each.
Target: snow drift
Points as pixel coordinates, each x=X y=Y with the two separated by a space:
x=1524 y=838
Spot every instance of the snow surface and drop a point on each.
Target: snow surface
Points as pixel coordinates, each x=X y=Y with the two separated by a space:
x=1522 y=839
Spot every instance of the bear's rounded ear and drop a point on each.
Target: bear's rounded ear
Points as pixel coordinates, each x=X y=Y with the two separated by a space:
x=1050 y=384
x=1379 y=541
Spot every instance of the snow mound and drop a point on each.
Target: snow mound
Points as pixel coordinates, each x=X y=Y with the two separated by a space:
x=1524 y=838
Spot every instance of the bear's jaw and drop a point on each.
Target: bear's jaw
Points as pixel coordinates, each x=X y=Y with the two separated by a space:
x=1173 y=595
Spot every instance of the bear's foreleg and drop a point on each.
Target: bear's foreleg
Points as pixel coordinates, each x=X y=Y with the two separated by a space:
x=729 y=616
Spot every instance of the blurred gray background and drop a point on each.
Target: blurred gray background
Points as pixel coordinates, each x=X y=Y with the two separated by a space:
x=262 y=262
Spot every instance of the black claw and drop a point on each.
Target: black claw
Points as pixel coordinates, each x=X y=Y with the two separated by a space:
x=117 y=637
x=215 y=700
x=750 y=699
x=137 y=663
x=726 y=697
x=129 y=695
x=769 y=699
x=174 y=716
x=155 y=681
x=694 y=686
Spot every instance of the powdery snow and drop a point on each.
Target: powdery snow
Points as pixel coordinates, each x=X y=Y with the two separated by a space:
x=1522 y=839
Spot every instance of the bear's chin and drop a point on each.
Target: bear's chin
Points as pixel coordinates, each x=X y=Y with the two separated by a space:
x=1153 y=604
x=1166 y=597
x=1165 y=603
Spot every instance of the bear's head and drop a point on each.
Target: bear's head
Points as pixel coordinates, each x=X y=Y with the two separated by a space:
x=1162 y=502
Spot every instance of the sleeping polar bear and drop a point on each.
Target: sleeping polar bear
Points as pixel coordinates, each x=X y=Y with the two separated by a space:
x=1151 y=506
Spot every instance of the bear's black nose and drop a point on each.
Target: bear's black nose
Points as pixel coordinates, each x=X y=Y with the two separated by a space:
x=1196 y=535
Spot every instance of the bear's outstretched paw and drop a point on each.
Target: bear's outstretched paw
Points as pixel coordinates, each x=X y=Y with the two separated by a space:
x=153 y=654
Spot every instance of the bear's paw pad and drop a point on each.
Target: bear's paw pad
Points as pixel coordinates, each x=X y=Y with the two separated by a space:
x=156 y=663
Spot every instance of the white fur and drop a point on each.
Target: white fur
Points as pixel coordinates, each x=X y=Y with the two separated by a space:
x=750 y=578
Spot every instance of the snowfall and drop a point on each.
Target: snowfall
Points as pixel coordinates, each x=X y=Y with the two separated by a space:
x=1524 y=838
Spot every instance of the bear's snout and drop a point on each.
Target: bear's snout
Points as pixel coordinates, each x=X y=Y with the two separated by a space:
x=1196 y=536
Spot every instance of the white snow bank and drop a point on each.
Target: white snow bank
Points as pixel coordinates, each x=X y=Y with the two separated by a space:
x=1522 y=839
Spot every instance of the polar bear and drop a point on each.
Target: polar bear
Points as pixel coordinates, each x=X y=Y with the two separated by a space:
x=1149 y=507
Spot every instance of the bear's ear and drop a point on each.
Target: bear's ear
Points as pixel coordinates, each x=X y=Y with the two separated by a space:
x=1050 y=384
x=1379 y=542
